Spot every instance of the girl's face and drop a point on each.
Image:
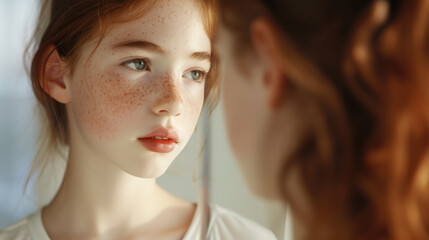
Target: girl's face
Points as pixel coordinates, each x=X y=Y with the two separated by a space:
x=144 y=81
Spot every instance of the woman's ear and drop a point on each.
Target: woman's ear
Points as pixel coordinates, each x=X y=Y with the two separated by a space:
x=53 y=76
x=266 y=43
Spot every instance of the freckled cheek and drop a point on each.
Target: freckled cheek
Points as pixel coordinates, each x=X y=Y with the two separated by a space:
x=106 y=102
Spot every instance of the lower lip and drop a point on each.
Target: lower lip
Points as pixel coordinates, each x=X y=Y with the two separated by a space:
x=158 y=145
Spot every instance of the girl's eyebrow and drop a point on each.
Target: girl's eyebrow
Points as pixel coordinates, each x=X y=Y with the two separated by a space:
x=139 y=44
x=201 y=56
x=149 y=46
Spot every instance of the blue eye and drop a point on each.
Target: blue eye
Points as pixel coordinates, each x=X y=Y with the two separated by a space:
x=137 y=64
x=195 y=75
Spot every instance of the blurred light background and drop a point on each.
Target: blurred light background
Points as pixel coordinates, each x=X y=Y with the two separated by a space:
x=16 y=109
x=17 y=138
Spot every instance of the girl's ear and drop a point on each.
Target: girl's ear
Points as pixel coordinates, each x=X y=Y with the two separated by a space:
x=53 y=77
x=265 y=41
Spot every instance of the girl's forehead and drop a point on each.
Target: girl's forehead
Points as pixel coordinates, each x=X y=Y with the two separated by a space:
x=168 y=23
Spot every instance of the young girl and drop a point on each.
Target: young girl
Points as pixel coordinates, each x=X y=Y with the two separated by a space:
x=122 y=84
x=333 y=99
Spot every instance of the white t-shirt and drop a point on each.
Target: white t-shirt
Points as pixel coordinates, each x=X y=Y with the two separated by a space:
x=224 y=225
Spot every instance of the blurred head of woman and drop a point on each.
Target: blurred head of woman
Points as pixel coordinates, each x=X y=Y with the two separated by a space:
x=326 y=109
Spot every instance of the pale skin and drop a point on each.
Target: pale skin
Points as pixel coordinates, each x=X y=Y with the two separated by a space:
x=256 y=82
x=112 y=99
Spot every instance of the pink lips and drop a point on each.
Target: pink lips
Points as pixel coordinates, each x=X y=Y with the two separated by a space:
x=161 y=140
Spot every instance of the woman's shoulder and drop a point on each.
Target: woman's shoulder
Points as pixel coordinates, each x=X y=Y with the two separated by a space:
x=226 y=224
x=25 y=229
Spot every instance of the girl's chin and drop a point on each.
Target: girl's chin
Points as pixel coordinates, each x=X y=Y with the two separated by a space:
x=147 y=168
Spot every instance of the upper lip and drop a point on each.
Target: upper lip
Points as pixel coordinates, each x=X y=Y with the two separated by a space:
x=169 y=133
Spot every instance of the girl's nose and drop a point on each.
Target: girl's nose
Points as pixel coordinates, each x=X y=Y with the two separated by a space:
x=170 y=102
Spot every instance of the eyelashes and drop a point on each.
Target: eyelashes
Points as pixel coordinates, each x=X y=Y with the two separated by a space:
x=142 y=64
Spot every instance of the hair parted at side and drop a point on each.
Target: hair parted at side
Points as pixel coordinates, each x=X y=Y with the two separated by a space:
x=67 y=25
x=363 y=158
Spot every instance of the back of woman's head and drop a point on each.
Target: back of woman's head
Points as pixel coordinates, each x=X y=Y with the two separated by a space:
x=66 y=26
x=363 y=157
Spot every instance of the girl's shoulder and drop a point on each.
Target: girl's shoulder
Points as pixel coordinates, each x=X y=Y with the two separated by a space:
x=28 y=228
x=17 y=230
x=225 y=224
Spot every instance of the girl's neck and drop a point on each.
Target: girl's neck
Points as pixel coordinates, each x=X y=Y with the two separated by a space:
x=96 y=197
